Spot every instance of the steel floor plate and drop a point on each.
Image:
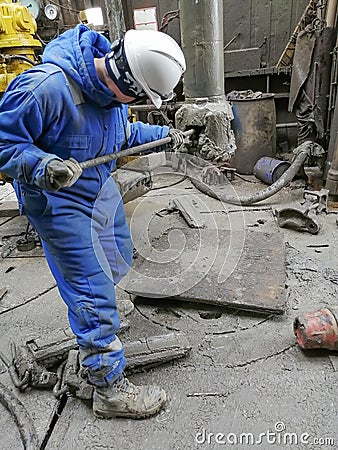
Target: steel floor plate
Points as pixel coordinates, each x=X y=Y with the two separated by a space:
x=218 y=267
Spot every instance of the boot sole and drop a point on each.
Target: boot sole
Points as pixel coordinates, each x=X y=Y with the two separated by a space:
x=109 y=415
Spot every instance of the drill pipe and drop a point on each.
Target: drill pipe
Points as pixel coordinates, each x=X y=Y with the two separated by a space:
x=129 y=151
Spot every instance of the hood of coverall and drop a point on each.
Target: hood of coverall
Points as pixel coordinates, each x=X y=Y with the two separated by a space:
x=74 y=52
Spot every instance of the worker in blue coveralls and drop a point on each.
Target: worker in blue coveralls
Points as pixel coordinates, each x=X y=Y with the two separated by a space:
x=71 y=108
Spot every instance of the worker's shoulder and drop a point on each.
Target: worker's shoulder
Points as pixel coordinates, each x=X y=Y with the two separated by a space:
x=41 y=77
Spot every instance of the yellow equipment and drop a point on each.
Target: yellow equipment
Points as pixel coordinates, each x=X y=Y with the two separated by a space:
x=17 y=42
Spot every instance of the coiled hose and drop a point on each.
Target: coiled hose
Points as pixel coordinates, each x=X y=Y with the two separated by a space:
x=22 y=419
x=248 y=200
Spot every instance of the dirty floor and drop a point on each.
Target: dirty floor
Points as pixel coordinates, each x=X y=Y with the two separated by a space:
x=245 y=382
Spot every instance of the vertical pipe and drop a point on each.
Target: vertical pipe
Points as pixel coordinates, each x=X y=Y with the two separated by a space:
x=202 y=44
x=332 y=114
x=116 y=22
x=330 y=15
x=332 y=175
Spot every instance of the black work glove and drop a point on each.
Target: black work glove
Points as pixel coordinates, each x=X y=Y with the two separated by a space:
x=61 y=174
x=177 y=137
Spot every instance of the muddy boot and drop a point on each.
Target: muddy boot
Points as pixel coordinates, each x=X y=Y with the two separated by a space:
x=124 y=399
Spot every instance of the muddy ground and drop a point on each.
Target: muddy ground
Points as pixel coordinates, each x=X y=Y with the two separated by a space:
x=245 y=383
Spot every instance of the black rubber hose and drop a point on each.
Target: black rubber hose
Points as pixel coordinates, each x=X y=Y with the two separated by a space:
x=22 y=419
x=248 y=200
x=22 y=57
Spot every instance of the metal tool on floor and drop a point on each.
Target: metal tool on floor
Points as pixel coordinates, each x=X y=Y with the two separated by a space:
x=28 y=242
x=318 y=329
x=304 y=217
x=42 y=363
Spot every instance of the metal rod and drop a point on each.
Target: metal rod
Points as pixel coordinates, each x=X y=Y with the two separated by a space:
x=164 y=107
x=231 y=41
x=129 y=151
x=287 y=125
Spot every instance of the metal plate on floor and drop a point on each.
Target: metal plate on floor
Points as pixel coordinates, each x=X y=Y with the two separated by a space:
x=217 y=267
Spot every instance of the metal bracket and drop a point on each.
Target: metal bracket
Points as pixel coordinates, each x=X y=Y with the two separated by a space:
x=304 y=217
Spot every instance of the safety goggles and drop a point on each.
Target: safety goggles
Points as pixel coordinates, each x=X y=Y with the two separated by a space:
x=119 y=71
x=143 y=98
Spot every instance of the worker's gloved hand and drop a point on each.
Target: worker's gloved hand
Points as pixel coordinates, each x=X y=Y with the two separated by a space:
x=177 y=137
x=61 y=174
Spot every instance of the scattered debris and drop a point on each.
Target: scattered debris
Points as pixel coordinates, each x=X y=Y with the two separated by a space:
x=208 y=394
x=318 y=246
x=188 y=209
x=8 y=248
x=57 y=365
x=257 y=223
x=331 y=275
x=304 y=217
x=334 y=361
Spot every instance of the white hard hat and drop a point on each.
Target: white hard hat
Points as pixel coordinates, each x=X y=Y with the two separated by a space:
x=156 y=64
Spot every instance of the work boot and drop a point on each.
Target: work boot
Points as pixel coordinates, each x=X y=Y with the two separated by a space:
x=124 y=399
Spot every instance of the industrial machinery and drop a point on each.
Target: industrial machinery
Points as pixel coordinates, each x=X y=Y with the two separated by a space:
x=18 y=46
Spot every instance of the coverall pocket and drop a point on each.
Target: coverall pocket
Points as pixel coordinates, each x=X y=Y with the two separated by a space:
x=76 y=141
x=72 y=145
x=34 y=201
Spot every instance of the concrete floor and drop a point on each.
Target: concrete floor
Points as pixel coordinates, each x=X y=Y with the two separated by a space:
x=245 y=382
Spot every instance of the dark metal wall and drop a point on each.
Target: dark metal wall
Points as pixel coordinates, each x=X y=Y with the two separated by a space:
x=259 y=28
x=255 y=31
x=262 y=24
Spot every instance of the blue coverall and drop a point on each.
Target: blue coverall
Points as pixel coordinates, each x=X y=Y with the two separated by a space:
x=58 y=110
